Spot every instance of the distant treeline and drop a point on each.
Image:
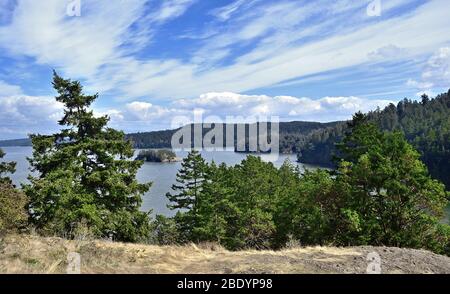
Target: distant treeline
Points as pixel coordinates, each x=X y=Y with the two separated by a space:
x=16 y=143
x=425 y=124
x=293 y=135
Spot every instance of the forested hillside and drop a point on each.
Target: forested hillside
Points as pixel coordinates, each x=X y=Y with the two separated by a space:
x=158 y=139
x=293 y=135
x=15 y=143
x=425 y=124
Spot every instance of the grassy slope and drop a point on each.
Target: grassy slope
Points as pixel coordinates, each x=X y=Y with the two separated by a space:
x=32 y=254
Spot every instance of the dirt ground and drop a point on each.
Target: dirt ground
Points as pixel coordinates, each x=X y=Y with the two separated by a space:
x=33 y=254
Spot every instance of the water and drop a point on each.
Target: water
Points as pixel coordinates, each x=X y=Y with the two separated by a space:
x=161 y=174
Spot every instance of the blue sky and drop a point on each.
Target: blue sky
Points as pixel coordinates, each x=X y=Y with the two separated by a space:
x=155 y=60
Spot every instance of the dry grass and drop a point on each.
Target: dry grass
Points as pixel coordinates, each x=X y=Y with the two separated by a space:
x=33 y=254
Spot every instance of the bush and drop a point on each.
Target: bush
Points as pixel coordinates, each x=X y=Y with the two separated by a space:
x=13 y=215
x=165 y=231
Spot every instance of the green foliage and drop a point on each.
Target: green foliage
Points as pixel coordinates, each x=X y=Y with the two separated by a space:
x=165 y=231
x=229 y=205
x=85 y=175
x=187 y=191
x=250 y=204
x=425 y=125
x=211 y=223
x=13 y=215
x=304 y=205
x=162 y=155
x=381 y=194
x=5 y=168
x=388 y=196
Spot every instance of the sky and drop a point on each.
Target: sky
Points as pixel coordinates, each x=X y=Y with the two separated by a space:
x=157 y=60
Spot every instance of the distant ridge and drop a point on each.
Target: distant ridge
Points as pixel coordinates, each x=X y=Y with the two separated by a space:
x=15 y=143
x=292 y=135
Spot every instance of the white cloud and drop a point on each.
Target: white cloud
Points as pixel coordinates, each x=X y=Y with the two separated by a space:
x=171 y=9
x=143 y=116
x=225 y=12
x=9 y=90
x=419 y=85
x=83 y=46
x=286 y=107
x=99 y=46
x=278 y=57
x=388 y=52
x=21 y=115
x=437 y=70
x=78 y=45
x=429 y=93
x=435 y=74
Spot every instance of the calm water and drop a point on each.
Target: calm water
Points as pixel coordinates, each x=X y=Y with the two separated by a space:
x=161 y=174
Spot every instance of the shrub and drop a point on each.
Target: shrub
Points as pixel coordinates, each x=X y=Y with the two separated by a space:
x=13 y=215
x=165 y=231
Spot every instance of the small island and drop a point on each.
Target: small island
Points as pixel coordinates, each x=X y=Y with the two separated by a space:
x=162 y=155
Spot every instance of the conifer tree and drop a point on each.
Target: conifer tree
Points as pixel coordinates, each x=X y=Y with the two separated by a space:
x=213 y=205
x=389 y=197
x=189 y=180
x=359 y=137
x=5 y=168
x=86 y=177
x=13 y=216
x=187 y=190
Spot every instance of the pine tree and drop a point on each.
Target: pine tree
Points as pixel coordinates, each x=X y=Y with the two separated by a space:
x=388 y=196
x=213 y=205
x=189 y=186
x=190 y=180
x=5 y=168
x=86 y=177
x=250 y=215
x=361 y=135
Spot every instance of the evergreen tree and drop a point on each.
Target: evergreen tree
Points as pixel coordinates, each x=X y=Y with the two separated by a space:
x=425 y=125
x=250 y=215
x=86 y=177
x=213 y=205
x=5 y=168
x=304 y=203
x=387 y=195
x=13 y=215
x=358 y=139
x=190 y=179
